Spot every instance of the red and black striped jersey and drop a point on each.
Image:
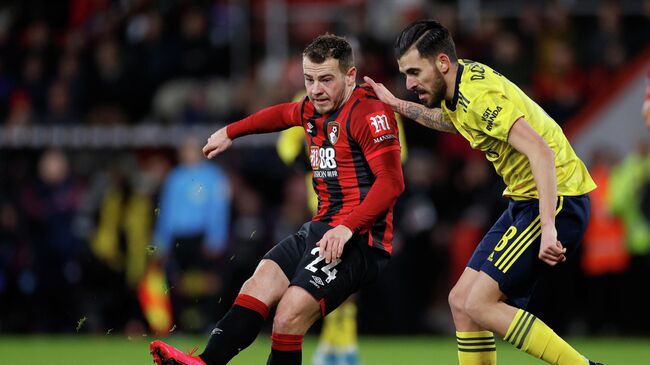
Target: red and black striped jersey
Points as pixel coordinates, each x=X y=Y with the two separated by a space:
x=344 y=147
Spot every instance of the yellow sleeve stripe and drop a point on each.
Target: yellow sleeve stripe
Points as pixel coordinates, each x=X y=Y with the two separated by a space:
x=504 y=263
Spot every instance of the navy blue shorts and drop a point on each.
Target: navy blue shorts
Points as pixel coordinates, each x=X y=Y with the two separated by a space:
x=509 y=251
x=330 y=284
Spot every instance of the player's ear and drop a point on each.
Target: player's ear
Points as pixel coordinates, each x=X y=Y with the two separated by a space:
x=351 y=76
x=442 y=63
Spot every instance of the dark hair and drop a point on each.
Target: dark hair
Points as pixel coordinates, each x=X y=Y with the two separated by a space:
x=429 y=37
x=330 y=46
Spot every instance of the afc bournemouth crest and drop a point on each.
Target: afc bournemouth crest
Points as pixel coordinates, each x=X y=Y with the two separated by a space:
x=333 y=132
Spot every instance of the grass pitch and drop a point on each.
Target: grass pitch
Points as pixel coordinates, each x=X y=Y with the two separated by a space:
x=116 y=349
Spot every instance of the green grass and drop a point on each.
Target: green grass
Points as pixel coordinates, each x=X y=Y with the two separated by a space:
x=118 y=349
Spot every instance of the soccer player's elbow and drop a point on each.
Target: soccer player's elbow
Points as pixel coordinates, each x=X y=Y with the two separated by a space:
x=398 y=186
x=541 y=149
x=402 y=187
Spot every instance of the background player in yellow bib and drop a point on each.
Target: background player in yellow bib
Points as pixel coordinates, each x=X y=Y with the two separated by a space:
x=547 y=185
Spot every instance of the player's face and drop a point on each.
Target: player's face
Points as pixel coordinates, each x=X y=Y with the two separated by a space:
x=327 y=86
x=423 y=77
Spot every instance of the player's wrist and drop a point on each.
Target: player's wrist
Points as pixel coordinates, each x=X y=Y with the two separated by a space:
x=548 y=224
x=349 y=225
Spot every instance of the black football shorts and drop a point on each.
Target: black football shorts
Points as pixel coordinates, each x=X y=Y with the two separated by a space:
x=330 y=284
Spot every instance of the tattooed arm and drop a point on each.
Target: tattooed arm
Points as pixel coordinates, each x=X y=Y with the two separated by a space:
x=430 y=118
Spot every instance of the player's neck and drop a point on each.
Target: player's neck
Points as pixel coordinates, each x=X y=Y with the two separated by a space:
x=450 y=81
x=346 y=97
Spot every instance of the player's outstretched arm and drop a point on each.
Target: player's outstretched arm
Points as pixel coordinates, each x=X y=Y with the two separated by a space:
x=542 y=163
x=432 y=118
x=217 y=143
x=271 y=119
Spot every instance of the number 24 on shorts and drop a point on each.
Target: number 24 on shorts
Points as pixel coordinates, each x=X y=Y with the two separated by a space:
x=327 y=269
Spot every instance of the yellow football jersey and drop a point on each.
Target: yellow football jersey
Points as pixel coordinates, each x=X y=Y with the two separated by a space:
x=484 y=108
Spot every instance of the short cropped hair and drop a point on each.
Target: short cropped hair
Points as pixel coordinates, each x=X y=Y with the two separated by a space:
x=330 y=46
x=429 y=37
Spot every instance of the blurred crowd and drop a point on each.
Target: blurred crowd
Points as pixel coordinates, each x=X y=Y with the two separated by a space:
x=78 y=228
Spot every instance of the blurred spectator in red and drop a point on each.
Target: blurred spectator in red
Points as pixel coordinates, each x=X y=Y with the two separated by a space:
x=108 y=84
x=59 y=108
x=21 y=112
x=17 y=280
x=194 y=54
x=604 y=258
x=51 y=203
x=509 y=59
x=34 y=82
x=559 y=83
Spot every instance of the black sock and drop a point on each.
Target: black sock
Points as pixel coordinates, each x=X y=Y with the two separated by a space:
x=285 y=349
x=235 y=331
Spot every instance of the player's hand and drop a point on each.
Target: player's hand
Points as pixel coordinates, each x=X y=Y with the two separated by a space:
x=551 y=250
x=382 y=92
x=332 y=243
x=217 y=143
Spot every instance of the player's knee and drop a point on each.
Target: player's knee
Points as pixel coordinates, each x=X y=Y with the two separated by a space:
x=456 y=300
x=267 y=284
x=474 y=307
x=287 y=322
x=251 y=285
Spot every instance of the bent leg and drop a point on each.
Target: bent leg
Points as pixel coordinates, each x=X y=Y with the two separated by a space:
x=296 y=312
x=476 y=346
x=485 y=305
x=267 y=284
x=457 y=297
x=241 y=325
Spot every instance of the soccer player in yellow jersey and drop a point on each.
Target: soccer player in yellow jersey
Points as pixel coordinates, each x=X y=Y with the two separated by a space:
x=547 y=185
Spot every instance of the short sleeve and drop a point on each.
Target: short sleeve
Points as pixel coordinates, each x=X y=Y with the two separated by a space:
x=374 y=128
x=494 y=114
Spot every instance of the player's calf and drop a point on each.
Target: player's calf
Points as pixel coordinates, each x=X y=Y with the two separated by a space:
x=296 y=312
x=236 y=330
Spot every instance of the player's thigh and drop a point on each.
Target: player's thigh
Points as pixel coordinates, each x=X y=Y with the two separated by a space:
x=484 y=250
x=296 y=312
x=513 y=262
x=268 y=283
x=331 y=284
x=288 y=252
x=272 y=275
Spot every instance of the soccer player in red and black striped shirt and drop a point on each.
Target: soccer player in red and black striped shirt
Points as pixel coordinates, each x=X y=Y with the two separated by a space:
x=357 y=174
